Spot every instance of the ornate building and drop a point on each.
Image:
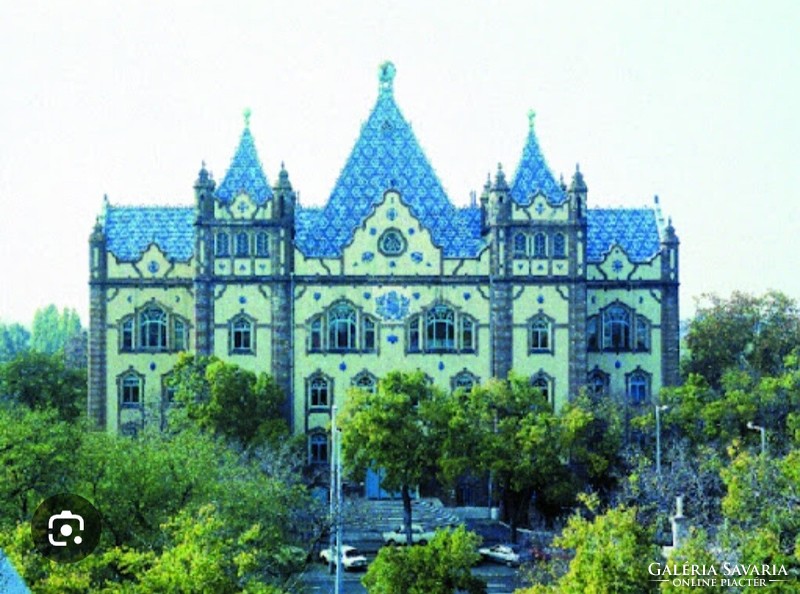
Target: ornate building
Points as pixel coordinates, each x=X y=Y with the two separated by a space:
x=389 y=274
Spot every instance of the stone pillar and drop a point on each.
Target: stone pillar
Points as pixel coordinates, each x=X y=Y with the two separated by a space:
x=670 y=314
x=97 y=396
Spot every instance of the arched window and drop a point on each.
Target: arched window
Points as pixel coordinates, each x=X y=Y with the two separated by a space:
x=180 y=334
x=539 y=335
x=440 y=328
x=540 y=245
x=598 y=383
x=467 y=333
x=319 y=393
x=342 y=327
x=464 y=380
x=318 y=448
x=366 y=381
x=242 y=245
x=130 y=389
x=153 y=329
x=559 y=246
x=642 y=333
x=520 y=245
x=638 y=387
x=241 y=335
x=222 y=247
x=616 y=328
x=542 y=383
x=315 y=335
x=369 y=334
x=262 y=244
x=414 y=341
x=126 y=329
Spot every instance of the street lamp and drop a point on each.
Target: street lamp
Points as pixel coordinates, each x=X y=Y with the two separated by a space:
x=336 y=500
x=659 y=409
x=754 y=427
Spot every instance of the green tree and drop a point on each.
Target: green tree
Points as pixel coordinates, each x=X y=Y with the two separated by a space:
x=443 y=566
x=745 y=331
x=52 y=330
x=389 y=432
x=695 y=551
x=40 y=380
x=612 y=553
x=14 y=339
x=230 y=401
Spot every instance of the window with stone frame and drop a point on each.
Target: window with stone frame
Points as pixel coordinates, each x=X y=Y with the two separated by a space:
x=520 y=245
x=559 y=246
x=319 y=392
x=131 y=389
x=318 y=448
x=366 y=381
x=413 y=335
x=153 y=328
x=540 y=330
x=638 y=387
x=598 y=383
x=540 y=245
x=642 y=334
x=180 y=334
x=242 y=336
x=343 y=328
x=616 y=328
x=467 y=324
x=441 y=329
x=242 y=244
x=262 y=244
x=543 y=383
x=464 y=380
x=222 y=244
x=593 y=333
x=127 y=334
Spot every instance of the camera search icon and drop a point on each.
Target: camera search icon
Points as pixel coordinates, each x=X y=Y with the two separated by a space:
x=66 y=528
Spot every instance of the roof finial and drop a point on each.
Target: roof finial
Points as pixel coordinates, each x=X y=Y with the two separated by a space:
x=386 y=72
x=246 y=113
x=531 y=118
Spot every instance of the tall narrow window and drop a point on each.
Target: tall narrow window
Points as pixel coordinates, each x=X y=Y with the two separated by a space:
x=262 y=244
x=440 y=334
x=318 y=392
x=126 y=342
x=642 y=333
x=616 y=328
x=222 y=247
x=598 y=383
x=318 y=448
x=520 y=245
x=638 y=387
x=414 y=335
x=342 y=328
x=180 y=334
x=541 y=383
x=315 y=342
x=241 y=335
x=153 y=329
x=242 y=245
x=559 y=246
x=131 y=389
x=540 y=245
x=369 y=334
x=467 y=334
x=593 y=333
x=539 y=334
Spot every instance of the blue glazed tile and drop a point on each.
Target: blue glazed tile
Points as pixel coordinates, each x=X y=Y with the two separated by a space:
x=245 y=174
x=540 y=299
x=617 y=364
x=411 y=231
x=415 y=295
x=392 y=305
x=131 y=229
x=242 y=299
x=635 y=230
x=416 y=257
x=392 y=339
x=367 y=295
x=317 y=296
x=534 y=177
x=343 y=366
x=372 y=230
x=367 y=256
x=152 y=266
x=152 y=366
x=467 y=296
x=441 y=366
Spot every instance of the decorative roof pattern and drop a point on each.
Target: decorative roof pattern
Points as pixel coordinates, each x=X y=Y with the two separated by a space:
x=533 y=176
x=387 y=156
x=245 y=173
x=635 y=230
x=131 y=229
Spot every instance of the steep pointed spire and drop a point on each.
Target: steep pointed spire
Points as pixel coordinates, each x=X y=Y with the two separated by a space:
x=533 y=176
x=245 y=174
x=578 y=185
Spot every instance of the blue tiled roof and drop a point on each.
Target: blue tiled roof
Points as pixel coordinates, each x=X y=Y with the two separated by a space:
x=635 y=230
x=387 y=156
x=131 y=229
x=245 y=174
x=533 y=176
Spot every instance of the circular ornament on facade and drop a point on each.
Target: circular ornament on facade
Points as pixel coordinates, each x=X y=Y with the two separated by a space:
x=392 y=243
x=152 y=266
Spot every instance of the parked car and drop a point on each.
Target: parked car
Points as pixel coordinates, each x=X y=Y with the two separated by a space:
x=398 y=536
x=352 y=558
x=507 y=554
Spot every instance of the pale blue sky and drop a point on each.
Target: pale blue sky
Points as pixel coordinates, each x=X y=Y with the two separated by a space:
x=693 y=101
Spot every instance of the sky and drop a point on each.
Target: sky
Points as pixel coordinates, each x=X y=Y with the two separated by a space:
x=695 y=102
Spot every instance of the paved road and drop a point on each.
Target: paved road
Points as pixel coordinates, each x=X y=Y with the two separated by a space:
x=500 y=580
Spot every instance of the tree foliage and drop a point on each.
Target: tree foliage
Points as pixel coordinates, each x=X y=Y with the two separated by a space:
x=52 y=329
x=443 y=566
x=14 y=339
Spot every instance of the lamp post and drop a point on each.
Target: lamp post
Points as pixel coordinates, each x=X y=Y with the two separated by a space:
x=659 y=409
x=754 y=427
x=336 y=500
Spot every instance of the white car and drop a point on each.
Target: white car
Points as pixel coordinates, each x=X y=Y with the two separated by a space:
x=507 y=554
x=398 y=536
x=352 y=558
